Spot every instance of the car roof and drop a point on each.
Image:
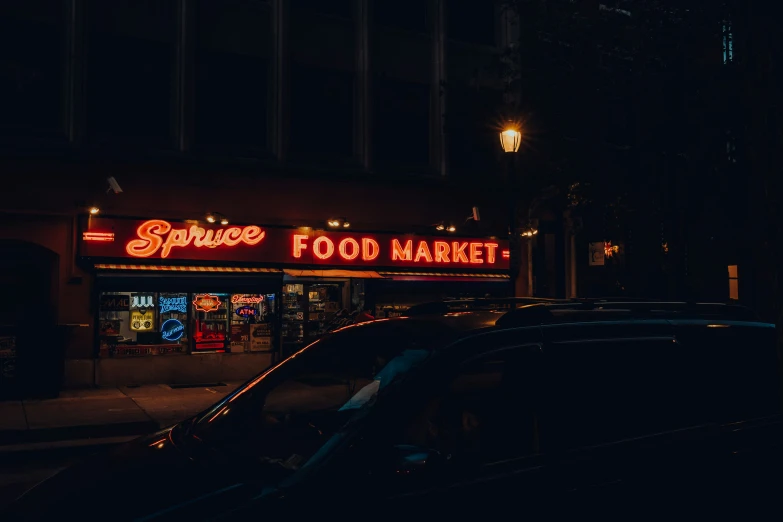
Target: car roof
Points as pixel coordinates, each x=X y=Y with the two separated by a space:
x=466 y=316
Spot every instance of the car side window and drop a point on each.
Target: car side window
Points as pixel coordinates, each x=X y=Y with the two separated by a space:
x=603 y=391
x=486 y=412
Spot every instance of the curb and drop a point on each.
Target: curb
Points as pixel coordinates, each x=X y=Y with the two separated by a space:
x=29 y=454
x=71 y=433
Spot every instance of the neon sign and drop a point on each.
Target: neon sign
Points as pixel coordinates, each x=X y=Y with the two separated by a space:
x=207 y=302
x=98 y=236
x=172 y=330
x=408 y=251
x=157 y=235
x=241 y=299
x=246 y=311
x=173 y=304
x=156 y=240
x=142 y=301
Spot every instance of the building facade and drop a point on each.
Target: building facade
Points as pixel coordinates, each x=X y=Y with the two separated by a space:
x=362 y=122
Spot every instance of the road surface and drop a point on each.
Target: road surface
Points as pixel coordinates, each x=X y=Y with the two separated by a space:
x=21 y=470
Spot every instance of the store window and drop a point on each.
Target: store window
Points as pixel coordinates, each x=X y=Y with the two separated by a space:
x=164 y=323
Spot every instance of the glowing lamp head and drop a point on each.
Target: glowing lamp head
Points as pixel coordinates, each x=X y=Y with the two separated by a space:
x=440 y=227
x=94 y=210
x=338 y=222
x=224 y=221
x=452 y=228
x=510 y=140
x=210 y=218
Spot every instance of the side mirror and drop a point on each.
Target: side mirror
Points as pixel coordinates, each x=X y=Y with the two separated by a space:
x=413 y=460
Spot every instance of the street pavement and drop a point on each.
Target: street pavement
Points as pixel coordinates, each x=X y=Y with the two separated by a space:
x=40 y=437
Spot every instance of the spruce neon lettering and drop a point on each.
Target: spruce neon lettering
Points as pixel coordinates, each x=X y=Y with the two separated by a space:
x=158 y=236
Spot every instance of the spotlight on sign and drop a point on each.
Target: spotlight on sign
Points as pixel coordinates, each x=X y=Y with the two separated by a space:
x=338 y=223
x=94 y=210
x=216 y=217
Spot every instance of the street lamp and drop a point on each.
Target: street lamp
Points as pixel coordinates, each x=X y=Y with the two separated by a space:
x=510 y=139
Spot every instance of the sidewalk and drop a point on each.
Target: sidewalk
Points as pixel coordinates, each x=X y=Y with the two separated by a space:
x=110 y=414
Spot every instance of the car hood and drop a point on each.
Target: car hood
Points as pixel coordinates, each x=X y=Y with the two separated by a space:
x=151 y=478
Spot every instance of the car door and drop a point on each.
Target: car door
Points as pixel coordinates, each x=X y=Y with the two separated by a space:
x=482 y=423
x=621 y=414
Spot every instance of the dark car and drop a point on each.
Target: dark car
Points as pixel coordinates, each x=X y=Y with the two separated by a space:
x=585 y=406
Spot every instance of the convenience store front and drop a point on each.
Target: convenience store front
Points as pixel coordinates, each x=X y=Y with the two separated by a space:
x=198 y=303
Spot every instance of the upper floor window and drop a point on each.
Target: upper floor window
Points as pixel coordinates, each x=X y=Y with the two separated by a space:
x=340 y=8
x=733 y=283
x=322 y=114
x=233 y=42
x=401 y=123
x=728 y=42
x=32 y=36
x=471 y=21
x=412 y=15
x=130 y=55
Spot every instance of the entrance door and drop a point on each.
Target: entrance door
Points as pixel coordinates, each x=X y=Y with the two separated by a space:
x=28 y=316
x=311 y=309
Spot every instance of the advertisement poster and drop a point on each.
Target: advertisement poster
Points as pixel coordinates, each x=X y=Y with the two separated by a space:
x=142 y=321
x=261 y=337
x=240 y=335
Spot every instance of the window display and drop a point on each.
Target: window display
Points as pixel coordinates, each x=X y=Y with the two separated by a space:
x=139 y=323
x=251 y=322
x=161 y=323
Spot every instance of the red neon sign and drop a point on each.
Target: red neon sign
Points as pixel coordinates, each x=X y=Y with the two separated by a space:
x=98 y=236
x=157 y=235
x=207 y=302
x=156 y=240
x=407 y=251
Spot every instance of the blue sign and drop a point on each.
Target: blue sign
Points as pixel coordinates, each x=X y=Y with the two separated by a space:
x=176 y=304
x=172 y=330
x=245 y=311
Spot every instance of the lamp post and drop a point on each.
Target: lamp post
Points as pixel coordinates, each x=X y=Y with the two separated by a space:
x=510 y=139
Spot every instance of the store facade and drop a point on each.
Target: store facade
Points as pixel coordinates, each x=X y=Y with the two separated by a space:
x=192 y=302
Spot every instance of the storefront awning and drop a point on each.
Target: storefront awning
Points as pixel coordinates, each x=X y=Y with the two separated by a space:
x=205 y=269
x=445 y=276
x=357 y=274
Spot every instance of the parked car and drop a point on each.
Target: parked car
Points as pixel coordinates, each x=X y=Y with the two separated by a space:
x=602 y=405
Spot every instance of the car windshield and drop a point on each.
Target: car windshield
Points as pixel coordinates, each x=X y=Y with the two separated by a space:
x=289 y=412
